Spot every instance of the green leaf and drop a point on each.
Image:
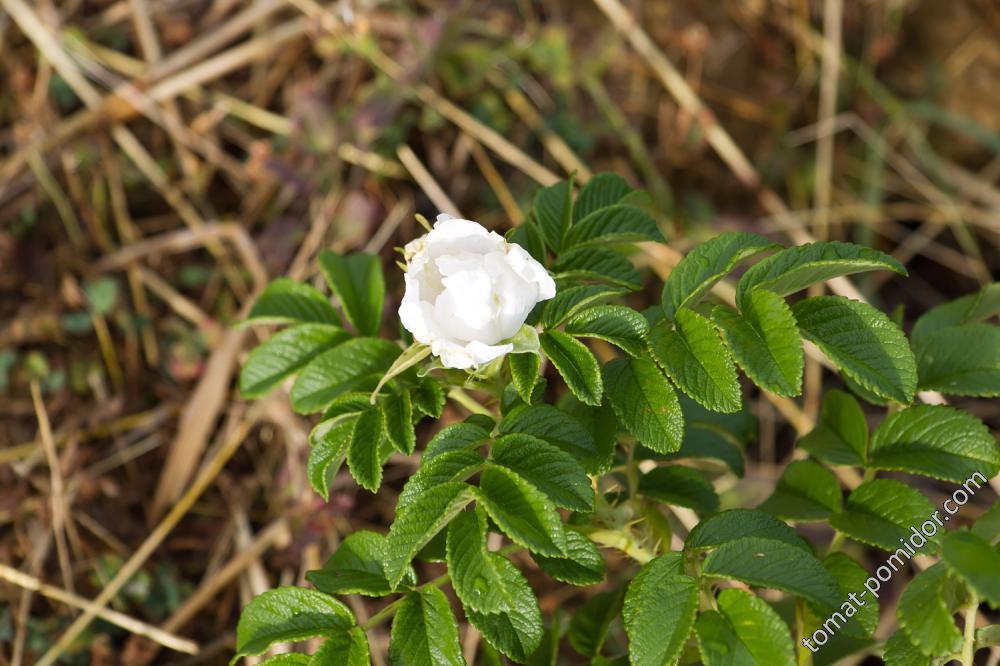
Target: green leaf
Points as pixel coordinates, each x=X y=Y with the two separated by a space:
x=397 y=416
x=988 y=636
x=706 y=264
x=976 y=562
x=679 y=485
x=702 y=442
x=764 y=562
x=571 y=300
x=987 y=525
x=583 y=564
x=524 y=374
x=597 y=263
x=881 y=512
x=745 y=630
x=528 y=237
x=805 y=491
x=348 y=648
x=841 y=436
x=937 y=441
x=364 y=457
x=693 y=355
x=424 y=632
x=620 y=325
x=659 y=611
x=961 y=360
x=614 y=224
x=601 y=424
x=357 y=567
x=601 y=191
x=925 y=612
x=418 y=522
x=553 y=212
x=474 y=576
x=557 y=428
x=465 y=435
x=863 y=342
x=286 y=301
x=284 y=353
x=522 y=511
x=455 y=465
x=765 y=341
x=329 y=441
x=286 y=615
x=516 y=632
x=645 y=403
x=347 y=404
x=428 y=397
x=795 y=268
x=357 y=280
x=851 y=578
x=735 y=524
x=288 y=659
x=550 y=469
x=339 y=370
x=899 y=651
x=576 y=364
x=589 y=626
x=970 y=309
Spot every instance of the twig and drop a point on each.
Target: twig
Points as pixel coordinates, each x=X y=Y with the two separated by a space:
x=138 y=627
x=156 y=537
x=426 y=181
x=58 y=498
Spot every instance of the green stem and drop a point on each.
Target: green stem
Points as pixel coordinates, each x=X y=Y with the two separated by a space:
x=835 y=543
x=969 y=645
x=805 y=654
x=467 y=401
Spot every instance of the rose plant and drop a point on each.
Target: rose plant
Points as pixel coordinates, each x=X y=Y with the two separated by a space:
x=555 y=470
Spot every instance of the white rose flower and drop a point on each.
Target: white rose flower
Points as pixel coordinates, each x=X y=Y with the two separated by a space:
x=468 y=290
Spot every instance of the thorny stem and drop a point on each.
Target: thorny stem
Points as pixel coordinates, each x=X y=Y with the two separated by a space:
x=969 y=644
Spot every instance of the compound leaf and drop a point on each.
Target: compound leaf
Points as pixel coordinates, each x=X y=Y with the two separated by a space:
x=522 y=511
x=706 y=264
x=765 y=341
x=417 y=523
x=358 y=282
x=659 y=611
x=795 y=268
x=289 y=614
x=424 y=631
x=576 y=364
x=695 y=358
x=286 y=301
x=550 y=469
x=645 y=403
x=881 y=512
x=805 y=491
x=286 y=352
x=745 y=630
x=620 y=325
x=863 y=342
x=682 y=486
x=937 y=441
x=341 y=369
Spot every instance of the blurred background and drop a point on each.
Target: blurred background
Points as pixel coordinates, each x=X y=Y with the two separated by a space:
x=160 y=160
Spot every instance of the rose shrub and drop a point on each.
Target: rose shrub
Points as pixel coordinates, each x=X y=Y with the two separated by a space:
x=604 y=448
